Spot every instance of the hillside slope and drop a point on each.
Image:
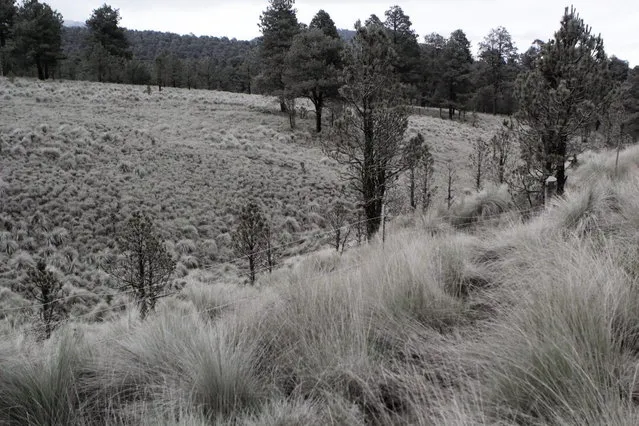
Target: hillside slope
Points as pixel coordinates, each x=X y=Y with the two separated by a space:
x=528 y=323
x=78 y=157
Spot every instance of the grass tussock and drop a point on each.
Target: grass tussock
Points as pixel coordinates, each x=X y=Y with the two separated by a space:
x=173 y=360
x=599 y=207
x=42 y=386
x=605 y=165
x=485 y=206
x=561 y=356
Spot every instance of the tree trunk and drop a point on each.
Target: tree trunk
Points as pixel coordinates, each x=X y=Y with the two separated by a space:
x=451 y=112
x=449 y=197
x=372 y=179
x=561 y=165
x=251 y=259
x=270 y=261
x=478 y=176
x=413 y=204
x=373 y=211
x=426 y=193
x=40 y=70
x=318 y=116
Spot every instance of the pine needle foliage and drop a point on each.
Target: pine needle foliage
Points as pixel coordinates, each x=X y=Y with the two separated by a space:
x=145 y=267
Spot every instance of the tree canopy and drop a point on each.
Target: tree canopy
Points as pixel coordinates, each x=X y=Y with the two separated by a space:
x=312 y=69
x=561 y=94
x=499 y=68
x=369 y=137
x=279 y=25
x=323 y=21
x=8 y=11
x=38 y=33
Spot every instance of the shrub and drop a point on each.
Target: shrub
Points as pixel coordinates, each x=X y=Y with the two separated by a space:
x=185 y=246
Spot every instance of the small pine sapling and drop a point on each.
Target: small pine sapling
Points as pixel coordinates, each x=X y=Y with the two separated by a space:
x=144 y=267
x=249 y=238
x=46 y=289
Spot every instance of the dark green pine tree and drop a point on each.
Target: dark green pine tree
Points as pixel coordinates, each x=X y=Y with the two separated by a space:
x=368 y=139
x=323 y=21
x=38 y=36
x=107 y=42
x=618 y=69
x=250 y=237
x=46 y=289
x=279 y=26
x=631 y=104
x=431 y=66
x=457 y=61
x=498 y=68
x=561 y=94
x=313 y=64
x=404 y=41
x=8 y=11
x=144 y=266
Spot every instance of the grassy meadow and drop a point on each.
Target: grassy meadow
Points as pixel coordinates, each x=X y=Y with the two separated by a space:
x=504 y=322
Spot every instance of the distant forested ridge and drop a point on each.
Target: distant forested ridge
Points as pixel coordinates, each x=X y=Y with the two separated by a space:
x=193 y=61
x=148 y=45
x=197 y=62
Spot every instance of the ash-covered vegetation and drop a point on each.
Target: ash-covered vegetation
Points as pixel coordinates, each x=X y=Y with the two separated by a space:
x=360 y=244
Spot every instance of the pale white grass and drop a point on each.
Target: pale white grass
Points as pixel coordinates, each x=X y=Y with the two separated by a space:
x=561 y=351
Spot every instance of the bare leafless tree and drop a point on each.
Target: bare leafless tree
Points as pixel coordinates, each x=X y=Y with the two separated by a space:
x=451 y=178
x=478 y=161
x=339 y=217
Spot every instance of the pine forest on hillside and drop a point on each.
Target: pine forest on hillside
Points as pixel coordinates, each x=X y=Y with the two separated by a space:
x=317 y=226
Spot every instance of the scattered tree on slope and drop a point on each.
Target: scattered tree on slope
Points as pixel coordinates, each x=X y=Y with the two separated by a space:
x=369 y=137
x=561 y=94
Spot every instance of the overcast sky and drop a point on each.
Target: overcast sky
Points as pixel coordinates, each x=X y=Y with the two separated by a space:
x=616 y=20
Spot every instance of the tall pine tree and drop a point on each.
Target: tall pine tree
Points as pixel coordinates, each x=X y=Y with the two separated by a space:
x=323 y=21
x=38 y=34
x=498 y=68
x=279 y=26
x=404 y=41
x=107 y=40
x=369 y=137
x=456 y=72
x=560 y=95
x=8 y=11
x=313 y=64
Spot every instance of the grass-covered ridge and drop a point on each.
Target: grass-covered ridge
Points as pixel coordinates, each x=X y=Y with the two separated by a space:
x=530 y=322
